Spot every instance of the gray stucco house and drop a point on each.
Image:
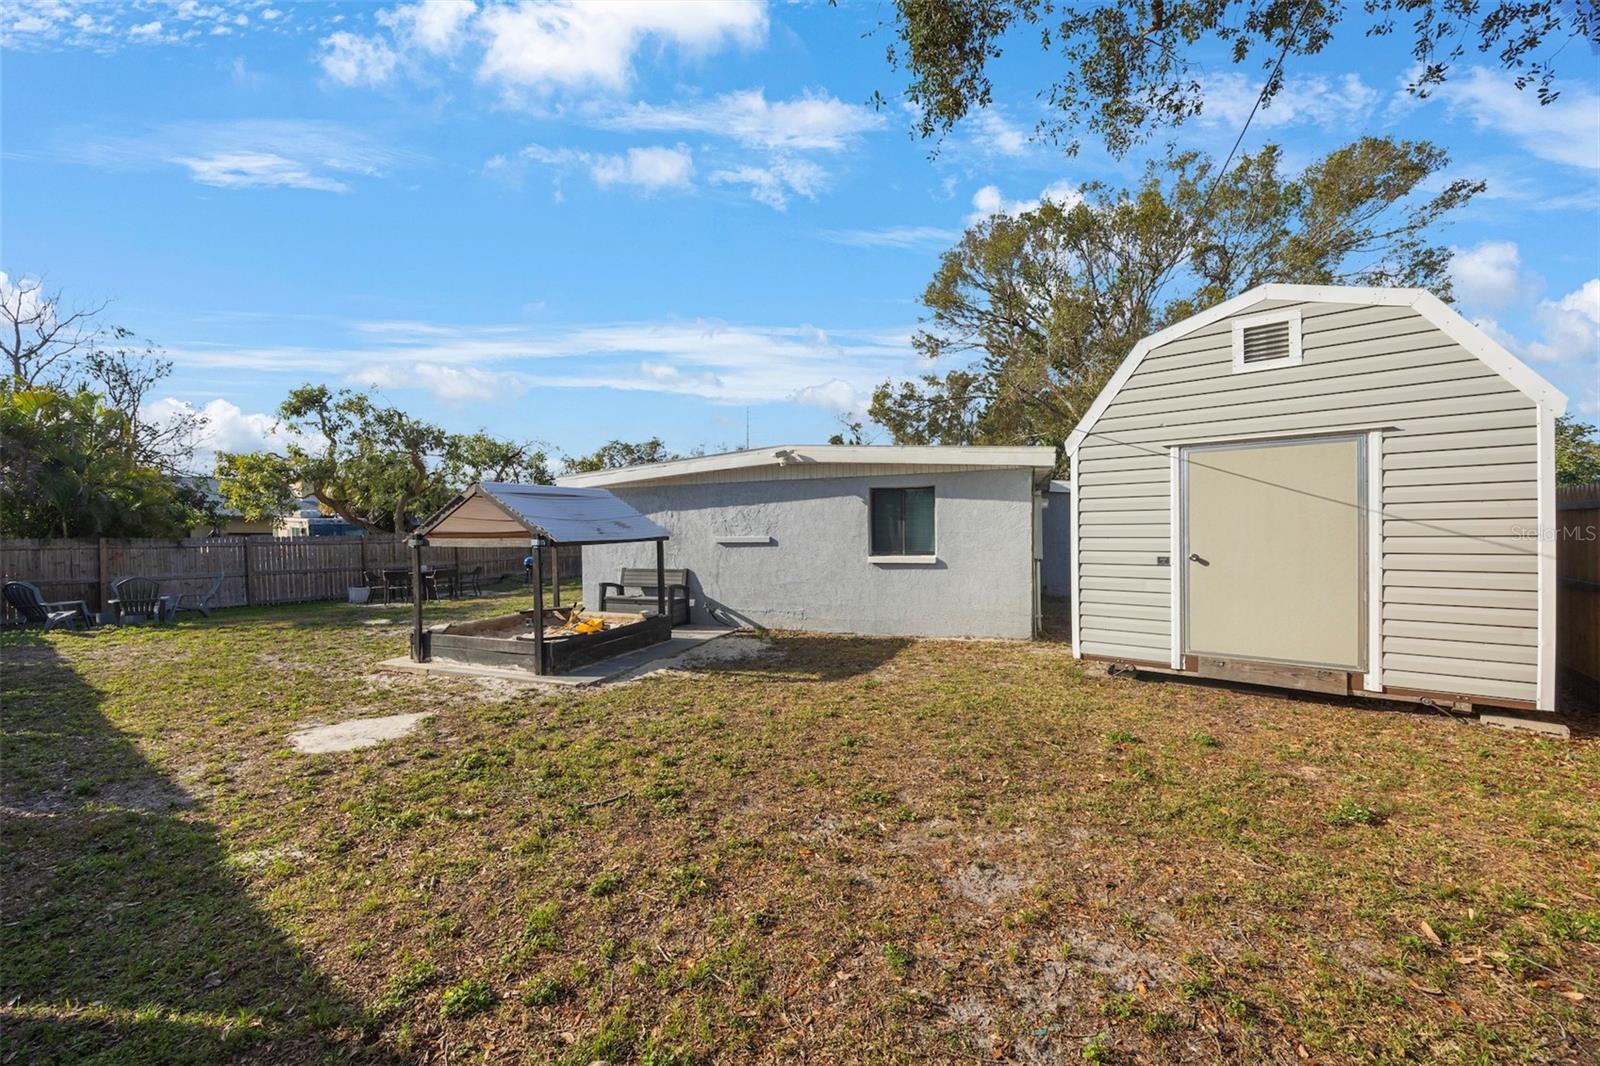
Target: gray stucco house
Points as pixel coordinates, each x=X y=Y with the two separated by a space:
x=897 y=541
x=1346 y=490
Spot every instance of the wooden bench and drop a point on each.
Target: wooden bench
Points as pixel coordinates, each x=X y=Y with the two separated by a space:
x=643 y=578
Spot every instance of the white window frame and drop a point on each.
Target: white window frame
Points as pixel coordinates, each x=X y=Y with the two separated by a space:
x=1296 y=352
x=920 y=558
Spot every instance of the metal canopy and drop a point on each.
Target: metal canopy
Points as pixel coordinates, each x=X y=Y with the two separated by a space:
x=495 y=512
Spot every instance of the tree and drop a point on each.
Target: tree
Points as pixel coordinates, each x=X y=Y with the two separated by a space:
x=66 y=472
x=376 y=467
x=1130 y=67
x=1046 y=303
x=1577 y=452
x=47 y=345
x=125 y=372
x=38 y=335
x=619 y=453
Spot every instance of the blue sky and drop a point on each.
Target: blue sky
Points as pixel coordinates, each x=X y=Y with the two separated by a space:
x=575 y=223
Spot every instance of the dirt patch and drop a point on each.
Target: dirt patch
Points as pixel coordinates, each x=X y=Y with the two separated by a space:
x=354 y=734
x=985 y=884
x=1125 y=967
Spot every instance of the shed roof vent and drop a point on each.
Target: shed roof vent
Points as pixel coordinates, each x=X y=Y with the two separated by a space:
x=1266 y=342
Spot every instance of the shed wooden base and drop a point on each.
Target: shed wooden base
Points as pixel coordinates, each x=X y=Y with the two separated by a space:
x=1499 y=712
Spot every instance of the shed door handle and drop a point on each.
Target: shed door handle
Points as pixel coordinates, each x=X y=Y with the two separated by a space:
x=1193 y=558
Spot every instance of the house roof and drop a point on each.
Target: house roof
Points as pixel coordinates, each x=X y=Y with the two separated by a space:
x=499 y=511
x=1425 y=303
x=1040 y=459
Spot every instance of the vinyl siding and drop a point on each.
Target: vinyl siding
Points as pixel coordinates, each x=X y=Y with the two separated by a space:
x=1459 y=606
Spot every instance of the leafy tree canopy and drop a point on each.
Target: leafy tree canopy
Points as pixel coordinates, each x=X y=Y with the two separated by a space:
x=1133 y=66
x=1577 y=452
x=1039 y=308
x=619 y=453
x=68 y=471
x=375 y=466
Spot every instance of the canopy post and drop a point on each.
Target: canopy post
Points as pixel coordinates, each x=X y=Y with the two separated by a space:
x=555 y=575
x=419 y=654
x=661 y=580
x=538 y=605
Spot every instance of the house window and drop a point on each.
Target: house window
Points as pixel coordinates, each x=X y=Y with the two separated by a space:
x=1262 y=342
x=902 y=521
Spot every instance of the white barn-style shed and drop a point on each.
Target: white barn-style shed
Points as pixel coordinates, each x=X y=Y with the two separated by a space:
x=1335 y=489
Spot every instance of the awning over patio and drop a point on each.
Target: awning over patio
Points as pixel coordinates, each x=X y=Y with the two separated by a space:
x=492 y=513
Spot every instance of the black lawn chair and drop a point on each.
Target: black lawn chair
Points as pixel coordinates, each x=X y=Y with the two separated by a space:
x=140 y=599
x=200 y=601
x=471 y=579
x=34 y=610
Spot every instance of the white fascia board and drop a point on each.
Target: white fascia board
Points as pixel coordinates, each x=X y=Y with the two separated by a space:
x=1039 y=458
x=1425 y=303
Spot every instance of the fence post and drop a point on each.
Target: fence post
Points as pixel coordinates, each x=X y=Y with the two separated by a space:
x=249 y=573
x=101 y=578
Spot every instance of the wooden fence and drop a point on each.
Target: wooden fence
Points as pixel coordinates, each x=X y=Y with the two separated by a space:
x=255 y=570
x=1578 y=588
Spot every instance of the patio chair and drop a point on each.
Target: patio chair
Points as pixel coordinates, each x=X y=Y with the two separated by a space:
x=34 y=610
x=200 y=601
x=396 y=586
x=139 y=599
x=472 y=579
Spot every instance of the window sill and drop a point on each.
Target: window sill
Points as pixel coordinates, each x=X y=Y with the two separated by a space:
x=903 y=560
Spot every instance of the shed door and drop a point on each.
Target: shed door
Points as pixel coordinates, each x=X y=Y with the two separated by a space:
x=1273 y=546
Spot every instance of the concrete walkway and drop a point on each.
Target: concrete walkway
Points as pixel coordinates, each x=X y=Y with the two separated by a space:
x=685 y=639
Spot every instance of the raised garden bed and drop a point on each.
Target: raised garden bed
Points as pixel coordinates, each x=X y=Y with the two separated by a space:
x=507 y=641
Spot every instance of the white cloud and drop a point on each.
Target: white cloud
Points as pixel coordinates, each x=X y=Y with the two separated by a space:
x=452 y=384
x=648 y=168
x=1569 y=327
x=832 y=395
x=146 y=31
x=237 y=170
x=995 y=134
x=893 y=237
x=353 y=59
x=1488 y=275
x=1563 y=132
x=989 y=201
x=593 y=43
x=228 y=428
x=651 y=169
x=813 y=121
x=774 y=183
x=717 y=361
x=307 y=154
x=437 y=27
x=1330 y=103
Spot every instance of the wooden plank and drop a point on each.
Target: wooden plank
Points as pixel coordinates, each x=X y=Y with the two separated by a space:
x=1277 y=675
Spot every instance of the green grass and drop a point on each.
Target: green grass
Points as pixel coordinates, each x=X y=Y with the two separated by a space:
x=850 y=849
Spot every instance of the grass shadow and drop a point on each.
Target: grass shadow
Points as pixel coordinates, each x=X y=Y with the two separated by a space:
x=128 y=934
x=811 y=657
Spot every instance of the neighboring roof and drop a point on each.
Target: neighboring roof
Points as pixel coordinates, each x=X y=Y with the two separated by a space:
x=1038 y=458
x=1425 y=303
x=493 y=511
